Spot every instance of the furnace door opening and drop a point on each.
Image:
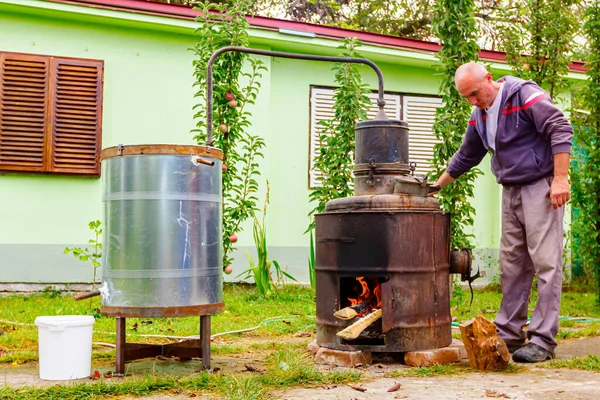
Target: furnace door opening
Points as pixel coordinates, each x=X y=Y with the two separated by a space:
x=363 y=294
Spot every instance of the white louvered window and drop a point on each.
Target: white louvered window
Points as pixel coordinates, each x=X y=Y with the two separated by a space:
x=418 y=111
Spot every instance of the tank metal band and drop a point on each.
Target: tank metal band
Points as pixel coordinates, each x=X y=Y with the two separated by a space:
x=370 y=270
x=161 y=149
x=205 y=197
x=162 y=312
x=160 y=273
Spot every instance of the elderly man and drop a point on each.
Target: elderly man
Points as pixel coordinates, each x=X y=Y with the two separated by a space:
x=530 y=142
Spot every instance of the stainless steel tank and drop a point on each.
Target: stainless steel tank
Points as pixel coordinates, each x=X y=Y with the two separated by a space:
x=162 y=232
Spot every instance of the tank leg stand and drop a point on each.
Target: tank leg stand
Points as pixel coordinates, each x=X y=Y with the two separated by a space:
x=205 y=340
x=120 y=346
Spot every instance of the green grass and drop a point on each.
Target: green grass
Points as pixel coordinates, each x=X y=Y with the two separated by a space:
x=286 y=312
x=287 y=366
x=18 y=357
x=580 y=305
x=423 y=372
x=273 y=347
x=488 y=302
x=290 y=310
x=578 y=330
x=228 y=349
x=449 y=369
x=587 y=363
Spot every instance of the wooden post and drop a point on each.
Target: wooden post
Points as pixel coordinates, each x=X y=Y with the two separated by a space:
x=484 y=347
x=120 y=343
x=205 y=340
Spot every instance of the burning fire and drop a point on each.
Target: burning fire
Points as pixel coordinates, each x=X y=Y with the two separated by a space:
x=367 y=291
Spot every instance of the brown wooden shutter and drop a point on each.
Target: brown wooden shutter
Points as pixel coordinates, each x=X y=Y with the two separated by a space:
x=76 y=116
x=23 y=112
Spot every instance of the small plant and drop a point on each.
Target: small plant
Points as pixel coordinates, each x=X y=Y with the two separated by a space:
x=312 y=262
x=85 y=254
x=494 y=285
x=261 y=270
x=52 y=292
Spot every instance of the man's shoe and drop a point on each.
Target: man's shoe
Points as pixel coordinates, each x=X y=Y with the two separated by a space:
x=532 y=353
x=512 y=347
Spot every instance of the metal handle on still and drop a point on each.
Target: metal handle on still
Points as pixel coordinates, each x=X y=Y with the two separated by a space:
x=460 y=263
x=372 y=166
x=200 y=160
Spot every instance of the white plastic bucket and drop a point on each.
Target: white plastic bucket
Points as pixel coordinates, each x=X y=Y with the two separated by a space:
x=65 y=346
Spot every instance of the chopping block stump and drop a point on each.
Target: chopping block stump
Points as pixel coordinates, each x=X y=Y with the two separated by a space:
x=486 y=350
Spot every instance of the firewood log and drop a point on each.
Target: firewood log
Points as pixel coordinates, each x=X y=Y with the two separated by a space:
x=484 y=347
x=345 y=313
x=352 y=311
x=356 y=328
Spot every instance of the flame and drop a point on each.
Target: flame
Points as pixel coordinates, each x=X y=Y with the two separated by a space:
x=365 y=293
x=377 y=293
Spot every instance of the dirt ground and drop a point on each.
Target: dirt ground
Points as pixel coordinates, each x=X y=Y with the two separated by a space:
x=532 y=382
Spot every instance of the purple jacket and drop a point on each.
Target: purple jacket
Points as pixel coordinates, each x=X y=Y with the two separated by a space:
x=530 y=131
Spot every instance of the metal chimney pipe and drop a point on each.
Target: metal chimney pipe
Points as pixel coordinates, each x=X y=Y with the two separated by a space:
x=209 y=77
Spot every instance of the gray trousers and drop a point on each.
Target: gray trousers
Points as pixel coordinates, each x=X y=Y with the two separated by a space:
x=532 y=243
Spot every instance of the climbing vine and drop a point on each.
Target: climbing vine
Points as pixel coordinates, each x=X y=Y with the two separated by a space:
x=454 y=24
x=335 y=160
x=225 y=25
x=585 y=168
x=539 y=50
